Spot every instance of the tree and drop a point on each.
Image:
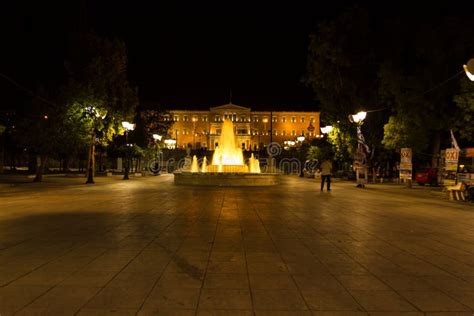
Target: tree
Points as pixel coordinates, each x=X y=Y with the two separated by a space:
x=47 y=129
x=465 y=103
x=342 y=69
x=342 y=65
x=417 y=81
x=98 y=88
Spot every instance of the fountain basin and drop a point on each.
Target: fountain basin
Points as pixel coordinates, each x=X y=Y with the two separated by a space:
x=224 y=179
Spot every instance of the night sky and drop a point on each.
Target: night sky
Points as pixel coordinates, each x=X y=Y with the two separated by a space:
x=183 y=57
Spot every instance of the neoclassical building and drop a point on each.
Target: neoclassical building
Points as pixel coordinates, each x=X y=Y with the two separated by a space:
x=253 y=129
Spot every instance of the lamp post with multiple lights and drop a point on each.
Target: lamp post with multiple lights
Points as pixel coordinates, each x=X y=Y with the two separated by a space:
x=301 y=140
x=128 y=127
x=360 y=162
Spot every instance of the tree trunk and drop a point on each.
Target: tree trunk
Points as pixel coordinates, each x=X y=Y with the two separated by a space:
x=91 y=163
x=436 y=149
x=40 y=168
x=65 y=164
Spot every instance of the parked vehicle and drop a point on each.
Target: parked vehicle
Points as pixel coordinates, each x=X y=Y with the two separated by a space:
x=427 y=176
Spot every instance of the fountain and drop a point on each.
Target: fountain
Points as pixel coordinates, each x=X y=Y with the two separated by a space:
x=227 y=167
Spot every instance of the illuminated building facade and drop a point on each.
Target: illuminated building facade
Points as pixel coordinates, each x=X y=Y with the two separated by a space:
x=201 y=129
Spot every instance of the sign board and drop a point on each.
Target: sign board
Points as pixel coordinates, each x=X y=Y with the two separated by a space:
x=451 y=159
x=405 y=155
x=406 y=165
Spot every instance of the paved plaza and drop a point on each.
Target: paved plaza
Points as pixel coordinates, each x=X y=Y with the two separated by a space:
x=148 y=247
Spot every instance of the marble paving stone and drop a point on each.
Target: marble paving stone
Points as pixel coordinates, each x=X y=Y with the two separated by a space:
x=330 y=301
x=224 y=313
x=378 y=300
x=271 y=281
x=166 y=312
x=226 y=281
x=184 y=280
x=65 y=296
x=226 y=299
x=433 y=301
x=172 y=298
x=278 y=300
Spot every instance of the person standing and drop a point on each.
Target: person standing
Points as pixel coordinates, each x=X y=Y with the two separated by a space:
x=326 y=168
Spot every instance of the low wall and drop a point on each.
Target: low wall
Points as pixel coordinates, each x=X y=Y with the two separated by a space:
x=226 y=179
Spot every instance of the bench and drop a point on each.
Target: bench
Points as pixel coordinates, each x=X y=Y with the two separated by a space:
x=457 y=192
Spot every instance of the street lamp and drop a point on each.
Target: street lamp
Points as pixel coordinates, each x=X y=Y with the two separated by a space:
x=360 y=158
x=469 y=69
x=170 y=143
x=300 y=138
x=128 y=127
x=327 y=129
x=194 y=132
x=358 y=118
x=157 y=139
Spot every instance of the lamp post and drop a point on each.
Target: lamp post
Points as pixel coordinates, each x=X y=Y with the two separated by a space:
x=265 y=121
x=360 y=158
x=157 y=139
x=194 y=132
x=300 y=140
x=128 y=127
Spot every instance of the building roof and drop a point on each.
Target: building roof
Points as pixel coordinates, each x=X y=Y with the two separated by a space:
x=229 y=106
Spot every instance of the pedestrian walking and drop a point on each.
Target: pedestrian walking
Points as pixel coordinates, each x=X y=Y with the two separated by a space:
x=326 y=168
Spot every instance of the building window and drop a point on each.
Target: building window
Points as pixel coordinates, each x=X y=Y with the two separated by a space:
x=274 y=119
x=311 y=119
x=175 y=118
x=185 y=132
x=243 y=118
x=204 y=118
x=293 y=133
x=283 y=119
x=242 y=132
x=255 y=119
x=218 y=131
x=217 y=118
x=283 y=133
x=185 y=118
x=293 y=119
x=302 y=132
x=311 y=134
x=275 y=132
x=302 y=119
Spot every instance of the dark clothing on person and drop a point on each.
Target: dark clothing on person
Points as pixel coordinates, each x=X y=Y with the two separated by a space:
x=326 y=178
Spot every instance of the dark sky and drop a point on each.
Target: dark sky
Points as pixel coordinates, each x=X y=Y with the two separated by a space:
x=188 y=56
